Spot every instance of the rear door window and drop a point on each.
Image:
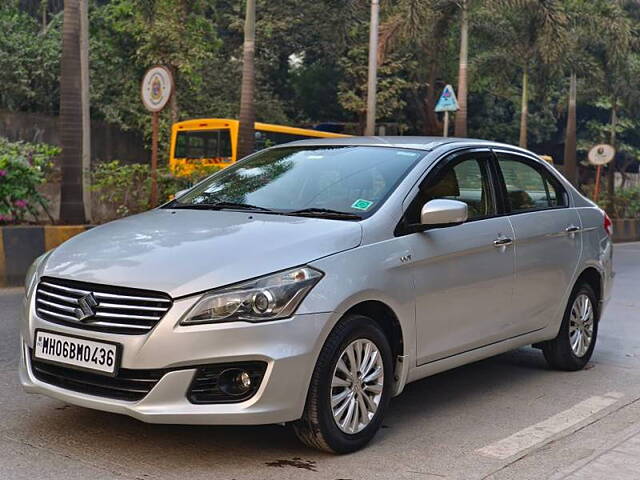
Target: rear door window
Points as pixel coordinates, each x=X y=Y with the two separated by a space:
x=529 y=187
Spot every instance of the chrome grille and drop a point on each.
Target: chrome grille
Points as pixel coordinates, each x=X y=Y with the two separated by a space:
x=118 y=310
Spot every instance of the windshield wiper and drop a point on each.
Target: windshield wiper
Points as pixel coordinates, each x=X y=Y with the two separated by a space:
x=221 y=206
x=324 y=213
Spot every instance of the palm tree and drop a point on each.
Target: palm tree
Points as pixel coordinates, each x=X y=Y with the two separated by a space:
x=423 y=25
x=426 y=24
x=589 y=20
x=246 y=135
x=615 y=41
x=571 y=141
x=461 y=115
x=71 y=198
x=372 y=80
x=526 y=33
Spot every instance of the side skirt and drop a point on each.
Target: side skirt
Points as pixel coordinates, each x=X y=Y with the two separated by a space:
x=481 y=353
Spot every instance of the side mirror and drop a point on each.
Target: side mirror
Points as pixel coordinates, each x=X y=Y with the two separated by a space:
x=442 y=212
x=179 y=193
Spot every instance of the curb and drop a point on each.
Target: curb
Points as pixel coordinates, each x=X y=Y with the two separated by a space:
x=21 y=245
x=626 y=230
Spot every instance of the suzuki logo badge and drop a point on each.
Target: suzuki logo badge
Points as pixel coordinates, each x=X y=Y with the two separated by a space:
x=87 y=304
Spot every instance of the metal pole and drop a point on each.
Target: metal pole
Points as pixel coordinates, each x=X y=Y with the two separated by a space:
x=154 y=159
x=373 y=69
x=445 y=130
x=596 y=190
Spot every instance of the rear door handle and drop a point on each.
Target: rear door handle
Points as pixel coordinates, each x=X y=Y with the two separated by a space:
x=502 y=242
x=572 y=229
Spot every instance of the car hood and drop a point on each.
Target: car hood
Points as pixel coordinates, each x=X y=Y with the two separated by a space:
x=181 y=252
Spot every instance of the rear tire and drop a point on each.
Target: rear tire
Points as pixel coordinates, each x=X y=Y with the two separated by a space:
x=573 y=347
x=323 y=425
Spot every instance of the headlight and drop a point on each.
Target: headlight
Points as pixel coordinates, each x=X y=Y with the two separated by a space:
x=271 y=297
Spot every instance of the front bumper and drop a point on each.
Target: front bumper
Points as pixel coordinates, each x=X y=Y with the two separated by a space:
x=289 y=347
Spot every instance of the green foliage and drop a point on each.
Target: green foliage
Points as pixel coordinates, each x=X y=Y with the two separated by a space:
x=392 y=84
x=128 y=36
x=29 y=62
x=124 y=189
x=23 y=168
x=625 y=205
x=311 y=63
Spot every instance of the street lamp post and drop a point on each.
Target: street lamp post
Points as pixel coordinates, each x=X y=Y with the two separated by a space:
x=373 y=69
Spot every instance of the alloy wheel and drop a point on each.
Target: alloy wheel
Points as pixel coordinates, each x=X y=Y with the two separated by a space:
x=581 y=325
x=356 y=386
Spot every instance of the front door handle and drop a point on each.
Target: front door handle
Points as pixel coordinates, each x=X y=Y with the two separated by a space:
x=502 y=242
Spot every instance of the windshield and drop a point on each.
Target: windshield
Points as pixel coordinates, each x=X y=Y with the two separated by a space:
x=203 y=144
x=353 y=180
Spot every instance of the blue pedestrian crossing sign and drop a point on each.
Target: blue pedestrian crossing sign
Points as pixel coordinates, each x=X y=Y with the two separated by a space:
x=448 y=101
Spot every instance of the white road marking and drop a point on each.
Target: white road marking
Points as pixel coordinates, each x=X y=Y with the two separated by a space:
x=540 y=432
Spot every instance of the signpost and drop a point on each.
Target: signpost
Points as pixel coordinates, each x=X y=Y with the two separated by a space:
x=600 y=155
x=447 y=103
x=157 y=88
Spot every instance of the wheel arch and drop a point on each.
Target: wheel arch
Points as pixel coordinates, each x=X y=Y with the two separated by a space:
x=592 y=277
x=386 y=319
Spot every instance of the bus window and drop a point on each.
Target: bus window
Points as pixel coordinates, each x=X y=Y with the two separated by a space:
x=204 y=144
x=210 y=141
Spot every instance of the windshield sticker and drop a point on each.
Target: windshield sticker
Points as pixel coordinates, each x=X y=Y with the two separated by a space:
x=315 y=157
x=407 y=154
x=361 y=204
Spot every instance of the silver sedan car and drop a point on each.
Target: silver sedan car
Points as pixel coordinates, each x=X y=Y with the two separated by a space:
x=309 y=283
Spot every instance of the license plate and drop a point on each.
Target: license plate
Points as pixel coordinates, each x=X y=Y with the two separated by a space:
x=77 y=352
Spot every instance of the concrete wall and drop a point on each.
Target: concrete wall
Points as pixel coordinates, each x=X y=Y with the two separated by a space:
x=626 y=229
x=108 y=142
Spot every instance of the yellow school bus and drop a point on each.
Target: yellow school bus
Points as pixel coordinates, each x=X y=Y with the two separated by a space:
x=214 y=141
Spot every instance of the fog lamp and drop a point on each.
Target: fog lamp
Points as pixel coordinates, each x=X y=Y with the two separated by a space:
x=234 y=381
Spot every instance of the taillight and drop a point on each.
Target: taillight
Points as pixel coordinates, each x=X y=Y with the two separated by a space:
x=608 y=225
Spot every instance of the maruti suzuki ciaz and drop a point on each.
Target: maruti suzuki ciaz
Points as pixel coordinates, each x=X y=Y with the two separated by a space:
x=309 y=283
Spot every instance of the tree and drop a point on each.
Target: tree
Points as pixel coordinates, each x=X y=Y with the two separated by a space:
x=461 y=115
x=71 y=199
x=613 y=47
x=29 y=62
x=246 y=134
x=421 y=27
x=525 y=34
x=588 y=20
x=372 y=81
x=393 y=72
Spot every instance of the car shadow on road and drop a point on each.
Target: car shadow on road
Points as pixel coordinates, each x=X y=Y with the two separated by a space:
x=427 y=410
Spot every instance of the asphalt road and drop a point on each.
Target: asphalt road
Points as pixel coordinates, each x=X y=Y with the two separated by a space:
x=453 y=425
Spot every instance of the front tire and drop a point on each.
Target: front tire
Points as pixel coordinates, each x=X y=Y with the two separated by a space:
x=350 y=388
x=573 y=347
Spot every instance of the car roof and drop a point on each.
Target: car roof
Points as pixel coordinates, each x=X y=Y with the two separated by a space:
x=416 y=143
